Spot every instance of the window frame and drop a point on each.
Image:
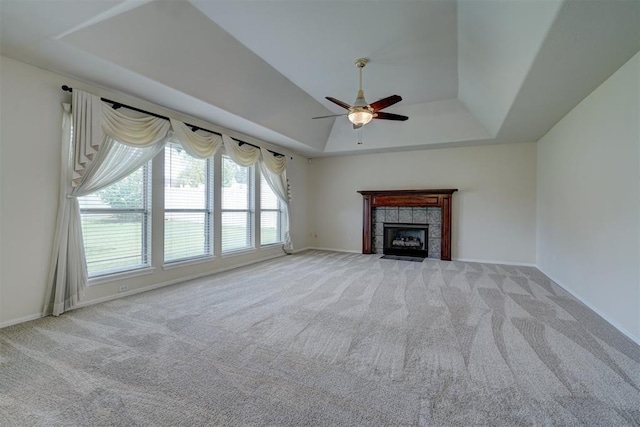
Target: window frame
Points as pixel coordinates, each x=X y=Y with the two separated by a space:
x=250 y=210
x=208 y=211
x=145 y=235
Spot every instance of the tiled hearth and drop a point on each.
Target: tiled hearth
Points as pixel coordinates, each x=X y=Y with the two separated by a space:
x=405 y=215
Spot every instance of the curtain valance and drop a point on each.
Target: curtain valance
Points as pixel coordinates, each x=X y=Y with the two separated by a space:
x=198 y=146
x=137 y=132
x=244 y=155
x=203 y=146
x=95 y=123
x=93 y=119
x=276 y=164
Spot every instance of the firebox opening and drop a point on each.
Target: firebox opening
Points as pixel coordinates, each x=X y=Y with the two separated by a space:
x=406 y=239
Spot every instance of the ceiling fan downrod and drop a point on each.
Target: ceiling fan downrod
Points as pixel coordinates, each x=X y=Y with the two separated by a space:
x=360 y=101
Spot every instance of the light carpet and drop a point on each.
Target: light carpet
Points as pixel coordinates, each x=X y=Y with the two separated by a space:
x=327 y=338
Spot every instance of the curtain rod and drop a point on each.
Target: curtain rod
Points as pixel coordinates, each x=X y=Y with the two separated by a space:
x=115 y=105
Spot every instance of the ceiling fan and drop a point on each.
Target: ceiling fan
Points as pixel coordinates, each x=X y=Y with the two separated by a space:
x=361 y=113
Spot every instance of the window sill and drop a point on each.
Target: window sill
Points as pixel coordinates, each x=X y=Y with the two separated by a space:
x=107 y=278
x=187 y=262
x=271 y=245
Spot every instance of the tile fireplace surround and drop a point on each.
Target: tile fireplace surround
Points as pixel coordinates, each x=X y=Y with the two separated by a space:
x=431 y=207
x=406 y=216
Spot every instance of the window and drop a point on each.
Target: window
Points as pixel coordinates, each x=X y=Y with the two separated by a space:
x=188 y=205
x=116 y=225
x=270 y=215
x=116 y=221
x=237 y=206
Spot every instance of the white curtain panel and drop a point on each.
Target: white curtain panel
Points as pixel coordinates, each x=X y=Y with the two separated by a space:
x=273 y=169
x=196 y=145
x=114 y=162
x=87 y=131
x=57 y=297
x=119 y=146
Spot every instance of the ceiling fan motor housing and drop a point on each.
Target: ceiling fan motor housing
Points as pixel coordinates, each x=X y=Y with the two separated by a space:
x=360 y=101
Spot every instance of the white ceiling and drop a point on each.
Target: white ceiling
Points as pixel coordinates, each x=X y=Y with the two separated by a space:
x=469 y=71
x=413 y=48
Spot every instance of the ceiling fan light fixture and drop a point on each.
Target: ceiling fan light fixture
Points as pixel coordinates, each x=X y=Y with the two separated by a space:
x=360 y=117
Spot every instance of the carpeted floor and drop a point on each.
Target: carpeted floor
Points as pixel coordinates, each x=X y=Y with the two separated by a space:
x=326 y=338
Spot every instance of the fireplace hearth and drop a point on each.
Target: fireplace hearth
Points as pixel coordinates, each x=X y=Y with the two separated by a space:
x=406 y=240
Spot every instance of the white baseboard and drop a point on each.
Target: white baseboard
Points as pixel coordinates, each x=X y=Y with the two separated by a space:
x=20 y=320
x=297 y=251
x=489 y=261
x=594 y=309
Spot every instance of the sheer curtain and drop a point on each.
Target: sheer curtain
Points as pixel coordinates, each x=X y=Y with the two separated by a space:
x=273 y=169
x=106 y=146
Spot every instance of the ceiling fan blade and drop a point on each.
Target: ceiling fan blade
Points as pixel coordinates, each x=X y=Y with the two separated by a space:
x=390 y=116
x=355 y=126
x=338 y=102
x=385 y=102
x=331 y=115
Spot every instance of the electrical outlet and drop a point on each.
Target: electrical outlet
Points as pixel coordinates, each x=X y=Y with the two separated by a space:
x=123 y=288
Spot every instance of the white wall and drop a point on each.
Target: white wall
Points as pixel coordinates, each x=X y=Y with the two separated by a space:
x=588 y=215
x=298 y=176
x=29 y=165
x=30 y=144
x=493 y=210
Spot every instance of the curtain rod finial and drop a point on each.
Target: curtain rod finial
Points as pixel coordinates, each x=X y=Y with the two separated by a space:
x=67 y=88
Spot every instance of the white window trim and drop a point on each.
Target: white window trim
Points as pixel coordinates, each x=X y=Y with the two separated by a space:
x=189 y=261
x=209 y=217
x=251 y=211
x=146 y=237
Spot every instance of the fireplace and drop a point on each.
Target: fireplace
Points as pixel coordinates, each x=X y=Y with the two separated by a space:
x=406 y=239
x=398 y=203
